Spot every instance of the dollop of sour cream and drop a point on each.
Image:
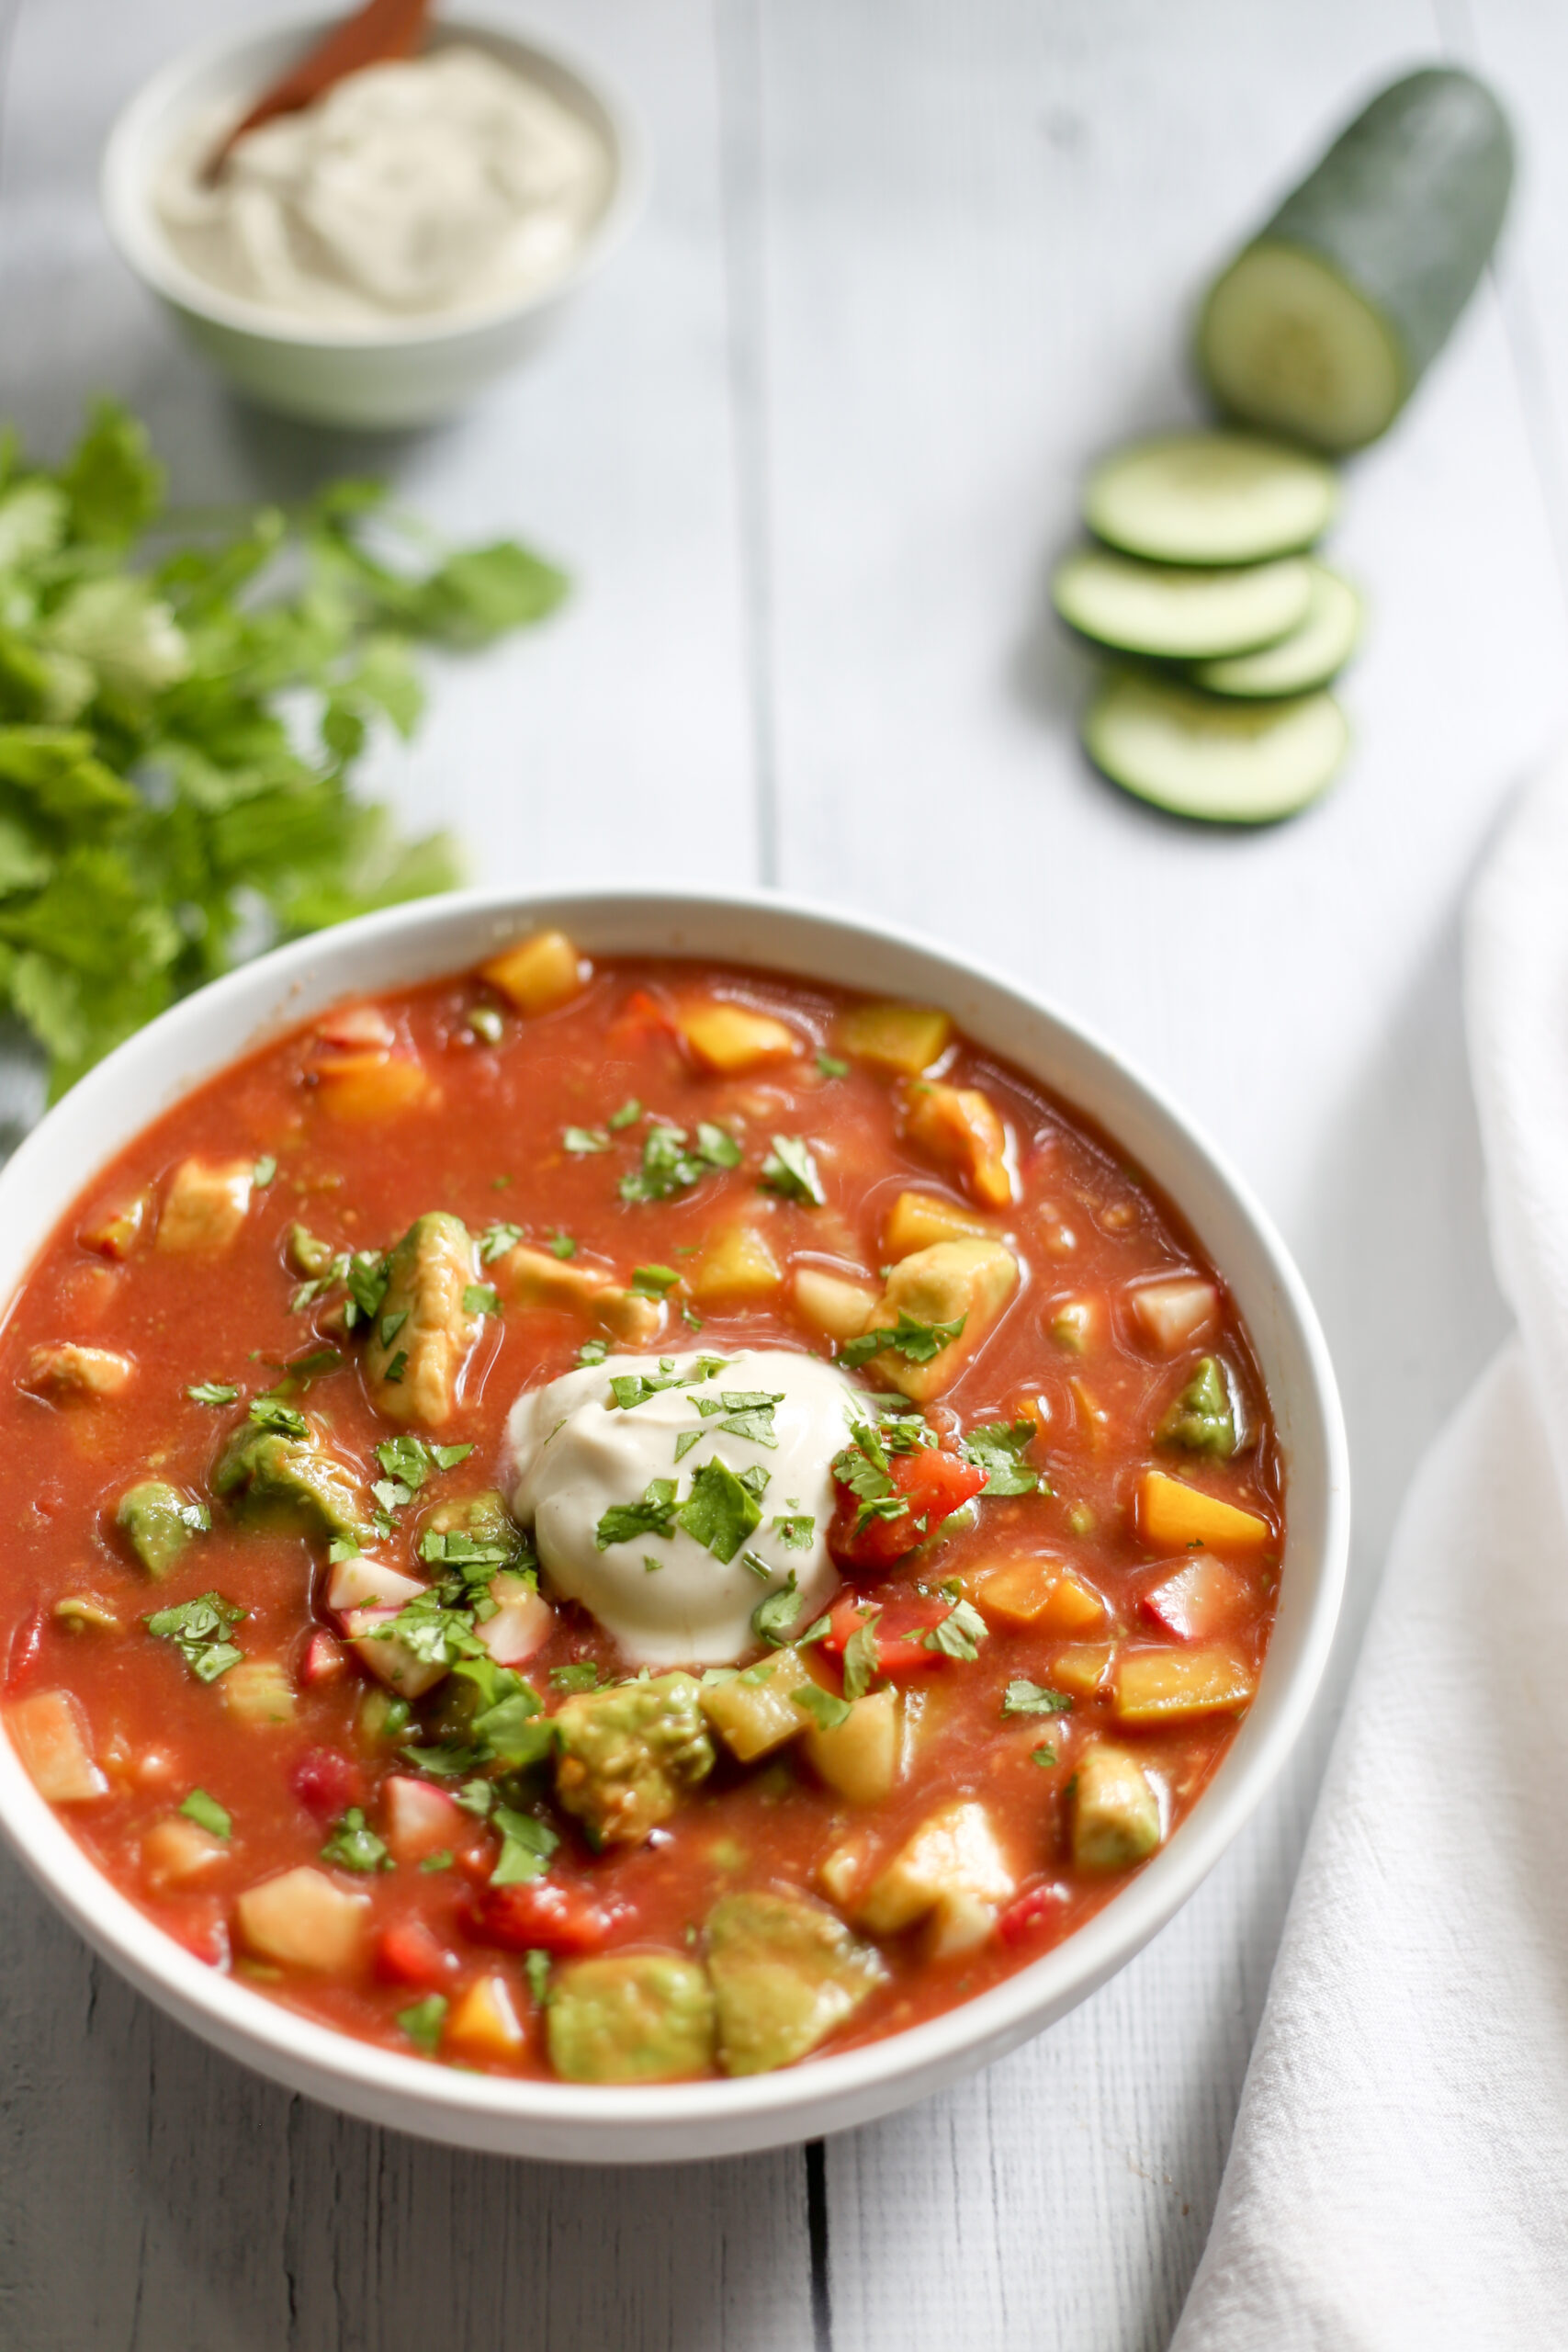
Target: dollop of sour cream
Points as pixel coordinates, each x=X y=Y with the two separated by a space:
x=578 y=1453
x=427 y=189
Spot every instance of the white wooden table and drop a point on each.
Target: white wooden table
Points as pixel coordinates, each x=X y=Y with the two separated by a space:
x=808 y=450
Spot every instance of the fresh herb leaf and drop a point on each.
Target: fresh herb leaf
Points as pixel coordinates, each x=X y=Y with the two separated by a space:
x=527 y=1846
x=771 y=1618
x=442 y=1861
x=537 y=1969
x=684 y=1442
x=831 y=1067
x=582 y=1140
x=593 y=1351
x=624 y=1522
x=561 y=1245
x=396 y=1369
x=406 y=1460
x=264 y=1171
x=960 y=1632
x=672 y=1164
x=797 y=1530
x=391 y=1325
x=366 y=1277
x=208 y=1814
x=1025 y=1698
x=581 y=1674
x=716 y=1145
x=998 y=1449
x=918 y=1342
x=827 y=1710
x=721 y=1512
x=496 y=1241
x=212 y=1392
x=629 y=1112
x=199 y=1630
x=861 y=1657
x=650 y=1566
x=817 y=1632
x=652 y=1282
x=789 y=1170
x=1042 y=1755
x=447 y=1457
x=424 y=2021
x=481 y=1298
x=353 y=1845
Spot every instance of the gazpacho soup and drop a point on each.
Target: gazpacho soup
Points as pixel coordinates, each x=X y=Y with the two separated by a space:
x=628 y=1520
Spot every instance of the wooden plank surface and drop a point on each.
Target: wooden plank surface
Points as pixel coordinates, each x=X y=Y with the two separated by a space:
x=810 y=448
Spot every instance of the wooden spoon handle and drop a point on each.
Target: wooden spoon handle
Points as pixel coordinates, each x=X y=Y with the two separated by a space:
x=381 y=30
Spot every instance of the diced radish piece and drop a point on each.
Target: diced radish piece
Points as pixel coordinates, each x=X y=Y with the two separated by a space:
x=354 y=1026
x=48 y=1733
x=418 y=1820
x=538 y=1916
x=1029 y=1913
x=304 y=1919
x=522 y=1625
x=327 y=1783
x=324 y=1660
x=1202 y=1598
x=369 y=1584
x=1173 y=1315
x=388 y=1659
x=409 y=1954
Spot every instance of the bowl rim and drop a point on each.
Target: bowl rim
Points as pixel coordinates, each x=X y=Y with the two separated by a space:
x=647 y=2122
x=125 y=188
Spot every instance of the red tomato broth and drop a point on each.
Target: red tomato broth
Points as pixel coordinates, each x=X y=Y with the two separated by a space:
x=484 y=1142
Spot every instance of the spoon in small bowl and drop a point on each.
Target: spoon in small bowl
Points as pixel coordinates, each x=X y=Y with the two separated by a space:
x=382 y=29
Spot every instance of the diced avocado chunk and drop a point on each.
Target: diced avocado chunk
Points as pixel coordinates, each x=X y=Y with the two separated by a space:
x=158 y=1522
x=628 y=1754
x=289 y=1481
x=1116 y=1819
x=632 y=2017
x=1203 y=1419
x=307 y=1253
x=422 y=1333
x=486 y=1520
x=786 y=1973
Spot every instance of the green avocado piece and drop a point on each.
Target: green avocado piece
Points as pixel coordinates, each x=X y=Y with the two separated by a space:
x=1115 y=1811
x=290 y=1481
x=485 y=1520
x=628 y=1755
x=1203 y=1419
x=158 y=1522
x=630 y=2017
x=786 y=1973
x=422 y=1333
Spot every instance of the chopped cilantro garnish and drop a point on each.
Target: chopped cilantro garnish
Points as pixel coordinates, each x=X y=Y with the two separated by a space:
x=997 y=1449
x=908 y=1337
x=447 y=1457
x=721 y=1510
x=283 y=1420
x=684 y=1442
x=1025 y=1698
x=496 y=1241
x=353 y=1845
x=771 y=1618
x=959 y=1633
x=629 y=1112
x=797 y=1530
x=561 y=1245
x=424 y=2021
x=442 y=1861
x=863 y=1467
x=581 y=1674
x=406 y=1460
x=672 y=1164
x=825 y=1708
x=693 y=1320
x=761 y=1570
x=527 y=1846
x=207 y=1814
x=650 y=1566
x=652 y=1282
x=593 y=1351
x=366 y=1277
x=212 y=1392
x=391 y=1325
x=816 y=1632
x=749 y=1413
x=582 y=1140
x=396 y=1369
x=481 y=1298
x=789 y=1170
x=199 y=1630
x=623 y=1522
x=831 y=1067
x=1042 y=1755
x=716 y=1145
x=861 y=1658
x=537 y=1969
x=264 y=1171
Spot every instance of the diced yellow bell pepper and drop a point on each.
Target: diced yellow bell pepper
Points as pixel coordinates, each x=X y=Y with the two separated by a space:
x=951 y=1280
x=1080 y=1669
x=736 y=1266
x=917 y=1219
x=906 y=1037
x=485 y=2023
x=1172 y=1515
x=534 y=1278
x=362 y=1087
x=1158 y=1686
x=833 y=1303
x=1041 y=1593
x=539 y=973
x=730 y=1038
x=959 y=1126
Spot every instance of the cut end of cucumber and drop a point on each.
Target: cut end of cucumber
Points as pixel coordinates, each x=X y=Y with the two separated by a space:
x=1223 y=763
x=1210 y=498
x=1180 y=616
x=1307 y=659
x=1285 y=343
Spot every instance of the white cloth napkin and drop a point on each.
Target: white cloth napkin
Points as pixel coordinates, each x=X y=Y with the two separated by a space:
x=1399 y=2176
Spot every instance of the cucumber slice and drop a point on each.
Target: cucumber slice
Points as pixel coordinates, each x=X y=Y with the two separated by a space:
x=1210 y=498
x=1323 y=325
x=1180 y=616
x=1225 y=763
x=1309 y=657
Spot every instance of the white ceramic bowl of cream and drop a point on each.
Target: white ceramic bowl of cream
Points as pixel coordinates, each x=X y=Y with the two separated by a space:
x=368 y=371
x=658 y=2123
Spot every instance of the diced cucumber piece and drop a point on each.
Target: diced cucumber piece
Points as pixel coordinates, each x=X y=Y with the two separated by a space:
x=1225 y=763
x=1180 y=616
x=1202 y=497
x=1325 y=323
x=1309 y=657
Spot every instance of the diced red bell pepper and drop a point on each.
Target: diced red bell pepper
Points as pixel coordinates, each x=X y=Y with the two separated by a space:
x=901 y=1629
x=1029 y=1912
x=641 y=1017
x=327 y=1783
x=409 y=1954
x=25 y=1643
x=931 y=1483
x=540 y=1915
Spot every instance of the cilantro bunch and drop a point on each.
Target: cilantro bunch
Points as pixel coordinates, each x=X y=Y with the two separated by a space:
x=156 y=804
